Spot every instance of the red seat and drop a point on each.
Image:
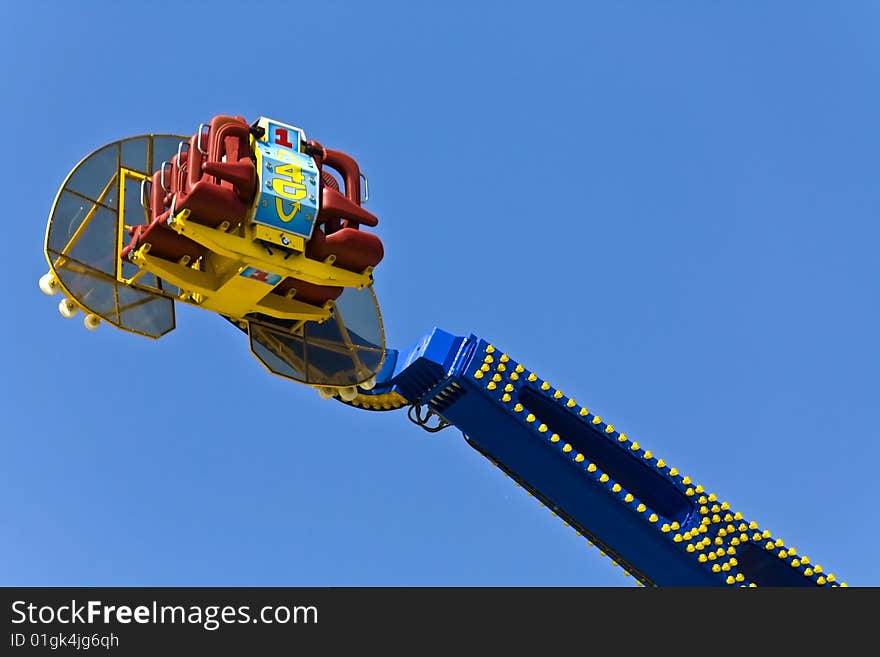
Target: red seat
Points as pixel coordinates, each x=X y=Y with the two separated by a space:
x=336 y=232
x=214 y=178
x=354 y=249
x=164 y=242
x=221 y=179
x=317 y=295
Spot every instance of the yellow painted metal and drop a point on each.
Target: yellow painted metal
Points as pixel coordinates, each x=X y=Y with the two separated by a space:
x=231 y=295
x=388 y=401
x=120 y=225
x=243 y=248
x=278 y=237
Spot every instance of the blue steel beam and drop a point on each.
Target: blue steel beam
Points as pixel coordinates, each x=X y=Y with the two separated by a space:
x=656 y=523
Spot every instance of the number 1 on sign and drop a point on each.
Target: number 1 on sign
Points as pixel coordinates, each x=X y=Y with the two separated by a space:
x=281 y=138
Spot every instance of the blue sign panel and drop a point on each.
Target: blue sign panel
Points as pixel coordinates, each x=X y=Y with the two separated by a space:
x=288 y=183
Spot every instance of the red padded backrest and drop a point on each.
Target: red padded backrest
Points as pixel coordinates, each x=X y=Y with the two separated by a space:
x=228 y=139
x=177 y=178
x=157 y=196
x=351 y=173
x=329 y=180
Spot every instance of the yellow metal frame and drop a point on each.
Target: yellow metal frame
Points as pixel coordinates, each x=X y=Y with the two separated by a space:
x=123 y=227
x=214 y=282
x=61 y=262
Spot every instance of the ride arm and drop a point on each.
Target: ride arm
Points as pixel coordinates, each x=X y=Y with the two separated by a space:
x=654 y=522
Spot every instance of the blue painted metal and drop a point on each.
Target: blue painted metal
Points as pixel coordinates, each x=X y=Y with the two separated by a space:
x=655 y=523
x=288 y=185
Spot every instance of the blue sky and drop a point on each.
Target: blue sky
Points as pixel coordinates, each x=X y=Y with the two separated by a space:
x=669 y=210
